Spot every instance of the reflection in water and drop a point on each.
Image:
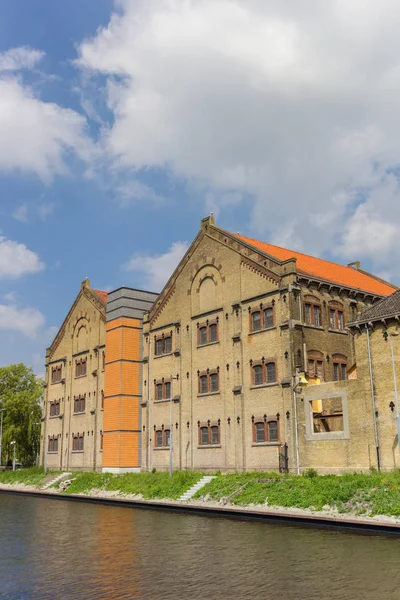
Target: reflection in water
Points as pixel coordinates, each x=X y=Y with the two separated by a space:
x=69 y=550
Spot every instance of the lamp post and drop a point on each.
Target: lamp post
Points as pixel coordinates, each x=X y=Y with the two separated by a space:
x=14 y=454
x=171 y=427
x=1 y=433
x=396 y=397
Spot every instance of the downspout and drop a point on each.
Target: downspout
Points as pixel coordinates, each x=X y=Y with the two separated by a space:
x=148 y=406
x=373 y=400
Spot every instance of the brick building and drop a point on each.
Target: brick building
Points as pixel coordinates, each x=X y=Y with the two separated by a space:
x=72 y=422
x=225 y=344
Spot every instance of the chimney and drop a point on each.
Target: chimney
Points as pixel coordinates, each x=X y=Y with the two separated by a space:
x=207 y=221
x=355 y=265
x=85 y=284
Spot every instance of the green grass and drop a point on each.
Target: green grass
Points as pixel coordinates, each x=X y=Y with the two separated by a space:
x=149 y=485
x=373 y=494
x=32 y=476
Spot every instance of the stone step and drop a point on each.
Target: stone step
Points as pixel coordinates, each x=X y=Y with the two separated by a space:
x=196 y=487
x=55 y=479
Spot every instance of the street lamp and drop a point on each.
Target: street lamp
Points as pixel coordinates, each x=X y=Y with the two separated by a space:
x=396 y=397
x=14 y=458
x=171 y=427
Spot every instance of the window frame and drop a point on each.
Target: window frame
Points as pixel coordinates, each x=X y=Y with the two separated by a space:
x=80 y=366
x=207 y=429
x=336 y=310
x=52 y=444
x=341 y=361
x=80 y=402
x=56 y=374
x=162 y=340
x=206 y=376
x=161 y=384
x=163 y=437
x=54 y=409
x=264 y=372
x=312 y=303
x=261 y=310
x=78 y=440
x=265 y=423
x=317 y=357
x=315 y=394
x=207 y=325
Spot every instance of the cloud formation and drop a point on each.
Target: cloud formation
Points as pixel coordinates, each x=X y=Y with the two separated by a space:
x=27 y=321
x=155 y=270
x=17 y=260
x=23 y=57
x=294 y=105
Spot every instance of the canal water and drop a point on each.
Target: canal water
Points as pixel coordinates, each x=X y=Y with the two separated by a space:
x=69 y=550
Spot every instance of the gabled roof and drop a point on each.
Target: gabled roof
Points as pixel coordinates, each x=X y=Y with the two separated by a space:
x=102 y=295
x=385 y=308
x=325 y=270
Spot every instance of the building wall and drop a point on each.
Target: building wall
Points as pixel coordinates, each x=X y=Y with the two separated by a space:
x=82 y=336
x=222 y=281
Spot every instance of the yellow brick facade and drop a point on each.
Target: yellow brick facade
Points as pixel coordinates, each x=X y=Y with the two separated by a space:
x=81 y=337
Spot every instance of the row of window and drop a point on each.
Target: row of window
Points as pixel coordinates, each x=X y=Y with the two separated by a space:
x=77 y=443
x=264 y=431
x=316 y=366
x=313 y=316
x=80 y=369
x=79 y=405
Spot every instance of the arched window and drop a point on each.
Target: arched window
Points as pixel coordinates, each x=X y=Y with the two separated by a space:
x=264 y=373
x=265 y=430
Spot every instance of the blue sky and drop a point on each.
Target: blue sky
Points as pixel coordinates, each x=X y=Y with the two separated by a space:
x=123 y=123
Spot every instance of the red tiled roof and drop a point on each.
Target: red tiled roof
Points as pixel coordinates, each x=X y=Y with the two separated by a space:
x=102 y=295
x=324 y=269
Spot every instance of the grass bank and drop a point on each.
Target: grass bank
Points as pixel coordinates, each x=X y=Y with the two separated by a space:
x=356 y=493
x=147 y=485
x=33 y=476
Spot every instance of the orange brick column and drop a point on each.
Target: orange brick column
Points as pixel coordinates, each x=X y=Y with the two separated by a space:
x=123 y=373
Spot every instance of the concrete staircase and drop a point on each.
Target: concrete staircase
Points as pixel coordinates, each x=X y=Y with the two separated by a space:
x=196 y=487
x=55 y=480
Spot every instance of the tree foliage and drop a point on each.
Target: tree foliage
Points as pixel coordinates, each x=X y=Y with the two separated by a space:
x=21 y=396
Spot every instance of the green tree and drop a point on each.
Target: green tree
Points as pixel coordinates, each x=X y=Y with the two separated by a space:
x=20 y=396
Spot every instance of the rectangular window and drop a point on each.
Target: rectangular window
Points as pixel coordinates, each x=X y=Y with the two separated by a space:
x=203 y=336
x=214 y=382
x=214 y=434
x=167 y=438
x=308 y=314
x=159 y=347
x=77 y=443
x=317 y=315
x=271 y=372
x=320 y=369
x=79 y=404
x=56 y=373
x=339 y=371
x=204 y=435
x=340 y=319
x=159 y=438
x=203 y=384
x=260 y=432
x=167 y=389
x=268 y=318
x=159 y=390
x=163 y=346
x=327 y=415
x=53 y=444
x=167 y=345
x=213 y=332
x=343 y=371
x=80 y=367
x=336 y=372
x=332 y=320
x=256 y=321
x=258 y=375
x=272 y=431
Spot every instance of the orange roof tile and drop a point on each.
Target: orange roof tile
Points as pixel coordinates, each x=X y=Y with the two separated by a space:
x=324 y=269
x=102 y=295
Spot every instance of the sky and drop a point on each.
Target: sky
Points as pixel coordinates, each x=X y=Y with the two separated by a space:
x=123 y=123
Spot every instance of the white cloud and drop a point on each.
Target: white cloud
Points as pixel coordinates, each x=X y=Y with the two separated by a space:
x=45 y=210
x=27 y=321
x=17 y=260
x=10 y=297
x=20 y=58
x=133 y=191
x=293 y=104
x=21 y=213
x=36 y=136
x=156 y=269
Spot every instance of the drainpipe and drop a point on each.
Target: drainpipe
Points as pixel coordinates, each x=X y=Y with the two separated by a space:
x=296 y=433
x=373 y=400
